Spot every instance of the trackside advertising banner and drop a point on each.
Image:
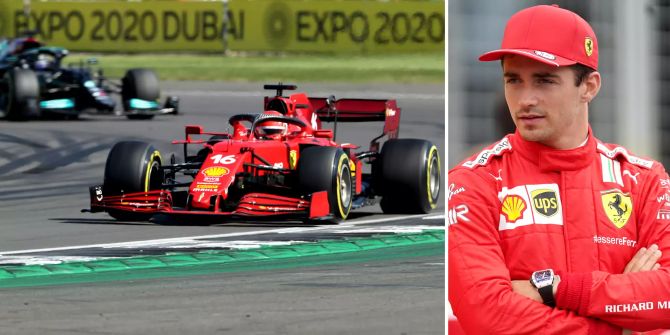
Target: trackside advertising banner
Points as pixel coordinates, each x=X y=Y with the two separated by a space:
x=347 y=26
x=248 y=25
x=122 y=26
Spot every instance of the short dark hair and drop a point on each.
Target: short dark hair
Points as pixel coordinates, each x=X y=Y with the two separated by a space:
x=581 y=72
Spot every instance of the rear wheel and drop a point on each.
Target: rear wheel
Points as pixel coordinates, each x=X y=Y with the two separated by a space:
x=139 y=84
x=132 y=166
x=23 y=94
x=408 y=176
x=327 y=169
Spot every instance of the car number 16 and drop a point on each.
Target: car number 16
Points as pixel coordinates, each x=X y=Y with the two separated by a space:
x=220 y=159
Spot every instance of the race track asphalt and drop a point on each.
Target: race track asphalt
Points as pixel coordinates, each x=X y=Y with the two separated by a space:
x=394 y=297
x=47 y=166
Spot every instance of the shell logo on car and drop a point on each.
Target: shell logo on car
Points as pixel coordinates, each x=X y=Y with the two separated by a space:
x=215 y=171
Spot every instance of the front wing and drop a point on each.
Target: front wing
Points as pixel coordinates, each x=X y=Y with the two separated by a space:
x=250 y=206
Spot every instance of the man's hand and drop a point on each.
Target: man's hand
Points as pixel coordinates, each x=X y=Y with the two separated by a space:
x=644 y=260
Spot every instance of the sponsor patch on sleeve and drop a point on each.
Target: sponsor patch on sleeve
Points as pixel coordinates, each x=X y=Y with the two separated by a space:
x=453 y=190
x=623 y=152
x=664 y=199
x=458 y=214
x=484 y=156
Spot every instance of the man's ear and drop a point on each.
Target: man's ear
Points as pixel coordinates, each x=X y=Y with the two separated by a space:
x=592 y=85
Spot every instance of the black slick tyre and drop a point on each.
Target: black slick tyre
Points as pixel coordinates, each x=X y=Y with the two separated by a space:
x=132 y=166
x=139 y=84
x=327 y=169
x=408 y=176
x=23 y=94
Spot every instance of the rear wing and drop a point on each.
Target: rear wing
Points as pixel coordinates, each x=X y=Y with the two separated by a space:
x=360 y=110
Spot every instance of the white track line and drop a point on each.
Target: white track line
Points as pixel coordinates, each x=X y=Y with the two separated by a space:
x=187 y=238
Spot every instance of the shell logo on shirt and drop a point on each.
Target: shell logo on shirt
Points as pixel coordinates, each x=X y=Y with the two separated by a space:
x=545 y=206
x=513 y=207
x=618 y=206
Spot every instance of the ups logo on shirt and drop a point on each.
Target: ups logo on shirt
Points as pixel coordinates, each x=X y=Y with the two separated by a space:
x=545 y=202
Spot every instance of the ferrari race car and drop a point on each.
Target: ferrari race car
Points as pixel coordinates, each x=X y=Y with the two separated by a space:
x=274 y=165
x=33 y=82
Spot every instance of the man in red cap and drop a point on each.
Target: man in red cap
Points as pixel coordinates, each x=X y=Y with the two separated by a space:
x=550 y=229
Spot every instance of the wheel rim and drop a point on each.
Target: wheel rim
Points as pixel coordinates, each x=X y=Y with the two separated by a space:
x=345 y=185
x=155 y=181
x=434 y=178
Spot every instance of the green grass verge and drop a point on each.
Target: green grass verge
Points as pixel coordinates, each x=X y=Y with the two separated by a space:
x=371 y=255
x=391 y=68
x=339 y=251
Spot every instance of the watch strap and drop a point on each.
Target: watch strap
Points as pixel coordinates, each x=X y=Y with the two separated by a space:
x=547 y=294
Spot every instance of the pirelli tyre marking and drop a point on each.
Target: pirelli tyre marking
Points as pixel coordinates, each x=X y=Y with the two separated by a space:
x=152 y=163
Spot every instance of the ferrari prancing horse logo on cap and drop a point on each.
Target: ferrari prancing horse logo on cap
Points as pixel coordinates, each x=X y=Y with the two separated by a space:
x=588 y=46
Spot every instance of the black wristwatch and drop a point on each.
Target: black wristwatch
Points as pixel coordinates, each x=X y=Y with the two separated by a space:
x=543 y=281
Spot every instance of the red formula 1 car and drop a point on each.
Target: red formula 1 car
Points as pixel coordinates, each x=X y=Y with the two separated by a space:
x=278 y=164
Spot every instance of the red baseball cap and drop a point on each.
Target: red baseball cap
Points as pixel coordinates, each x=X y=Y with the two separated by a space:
x=548 y=34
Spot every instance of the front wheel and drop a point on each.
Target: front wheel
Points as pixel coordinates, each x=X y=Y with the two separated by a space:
x=408 y=176
x=23 y=94
x=327 y=169
x=139 y=84
x=132 y=166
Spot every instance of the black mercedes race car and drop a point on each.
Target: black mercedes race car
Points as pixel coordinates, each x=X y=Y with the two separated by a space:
x=33 y=83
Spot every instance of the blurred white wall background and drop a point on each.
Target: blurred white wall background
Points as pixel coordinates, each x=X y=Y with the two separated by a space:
x=632 y=108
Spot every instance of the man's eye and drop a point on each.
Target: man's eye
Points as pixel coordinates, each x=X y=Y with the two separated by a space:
x=511 y=80
x=545 y=81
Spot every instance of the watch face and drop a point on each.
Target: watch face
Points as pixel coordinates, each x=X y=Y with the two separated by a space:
x=543 y=278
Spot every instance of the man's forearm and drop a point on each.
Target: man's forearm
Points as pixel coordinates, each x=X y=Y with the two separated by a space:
x=641 y=290
x=644 y=260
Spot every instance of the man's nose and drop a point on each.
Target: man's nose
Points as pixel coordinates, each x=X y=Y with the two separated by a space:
x=528 y=98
